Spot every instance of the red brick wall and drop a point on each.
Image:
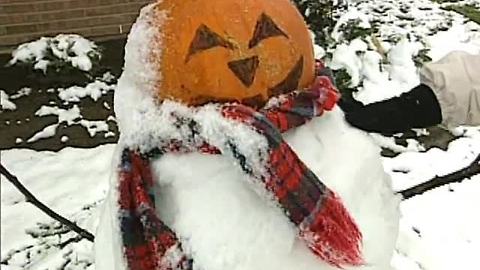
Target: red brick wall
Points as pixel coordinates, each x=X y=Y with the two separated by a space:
x=26 y=20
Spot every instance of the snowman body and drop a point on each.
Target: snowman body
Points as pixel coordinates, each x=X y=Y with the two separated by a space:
x=225 y=224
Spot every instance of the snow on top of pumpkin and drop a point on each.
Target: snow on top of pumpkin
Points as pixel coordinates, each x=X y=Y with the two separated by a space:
x=134 y=94
x=144 y=41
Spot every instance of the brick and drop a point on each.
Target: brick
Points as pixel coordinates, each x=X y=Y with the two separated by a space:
x=46 y=16
x=22 y=28
x=123 y=8
x=60 y=15
x=12 y=19
x=92 y=32
x=18 y=1
x=71 y=23
x=28 y=20
x=54 y=5
x=13 y=40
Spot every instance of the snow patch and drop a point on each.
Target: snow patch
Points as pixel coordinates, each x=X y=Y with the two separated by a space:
x=47 y=132
x=71 y=116
x=25 y=91
x=71 y=48
x=345 y=56
x=94 y=90
x=64 y=139
x=5 y=102
x=93 y=127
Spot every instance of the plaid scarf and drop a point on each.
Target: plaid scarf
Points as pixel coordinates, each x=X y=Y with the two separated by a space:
x=322 y=221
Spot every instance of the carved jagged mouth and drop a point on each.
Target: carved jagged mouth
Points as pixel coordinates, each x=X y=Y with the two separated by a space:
x=289 y=84
x=256 y=101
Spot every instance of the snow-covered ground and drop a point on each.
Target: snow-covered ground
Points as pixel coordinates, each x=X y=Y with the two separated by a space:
x=73 y=182
x=438 y=230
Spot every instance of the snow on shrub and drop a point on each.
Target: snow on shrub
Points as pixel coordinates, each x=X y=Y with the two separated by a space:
x=365 y=54
x=65 y=51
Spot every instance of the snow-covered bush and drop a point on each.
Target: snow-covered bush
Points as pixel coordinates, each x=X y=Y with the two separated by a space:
x=357 y=42
x=352 y=29
x=468 y=8
x=58 y=54
x=319 y=15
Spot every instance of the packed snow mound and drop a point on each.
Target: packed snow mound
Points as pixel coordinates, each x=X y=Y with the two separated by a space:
x=224 y=223
x=209 y=204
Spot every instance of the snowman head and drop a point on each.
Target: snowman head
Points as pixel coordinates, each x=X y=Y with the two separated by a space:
x=224 y=50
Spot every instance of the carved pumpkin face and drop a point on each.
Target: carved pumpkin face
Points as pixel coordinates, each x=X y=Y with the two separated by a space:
x=226 y=50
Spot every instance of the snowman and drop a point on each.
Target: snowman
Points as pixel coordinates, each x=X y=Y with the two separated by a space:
x=233 y=154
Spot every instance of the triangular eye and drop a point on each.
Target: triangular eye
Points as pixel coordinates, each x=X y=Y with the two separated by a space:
x=265 y=28
x=205 y=39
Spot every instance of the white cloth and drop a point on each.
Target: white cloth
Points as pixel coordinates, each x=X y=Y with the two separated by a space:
x=455 y=80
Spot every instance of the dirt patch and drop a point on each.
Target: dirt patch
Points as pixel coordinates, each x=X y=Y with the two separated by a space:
x=22 y=123
x=437 y=138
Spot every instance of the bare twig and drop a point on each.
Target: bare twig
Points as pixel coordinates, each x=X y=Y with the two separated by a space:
x=457 y=176
x=31 y=199
x=379 y=47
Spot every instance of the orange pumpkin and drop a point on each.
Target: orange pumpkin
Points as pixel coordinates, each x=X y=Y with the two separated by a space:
x=226 y=50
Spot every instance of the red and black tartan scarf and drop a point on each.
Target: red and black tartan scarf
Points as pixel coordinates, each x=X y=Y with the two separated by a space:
x=318 y=213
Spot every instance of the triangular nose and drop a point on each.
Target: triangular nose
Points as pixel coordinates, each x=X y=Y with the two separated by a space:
x=244 y=69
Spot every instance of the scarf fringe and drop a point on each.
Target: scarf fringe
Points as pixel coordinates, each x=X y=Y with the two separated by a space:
x=333 y=234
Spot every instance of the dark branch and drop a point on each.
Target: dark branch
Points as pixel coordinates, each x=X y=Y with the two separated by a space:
x=31 y=199
x=458 y=176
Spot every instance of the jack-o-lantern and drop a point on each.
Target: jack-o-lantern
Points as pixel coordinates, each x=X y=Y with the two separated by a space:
x=230 y=50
